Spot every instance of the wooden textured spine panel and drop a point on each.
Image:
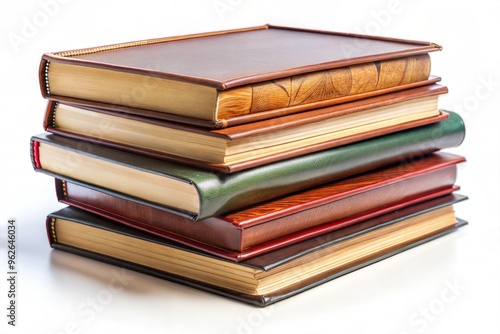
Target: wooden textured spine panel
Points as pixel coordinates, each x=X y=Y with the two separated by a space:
x=323 y=85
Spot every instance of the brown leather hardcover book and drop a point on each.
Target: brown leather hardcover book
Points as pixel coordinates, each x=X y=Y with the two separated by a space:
x=287 y=220
x=268 y=278
x=249 y=145
x=217 y=76
x=240 y=119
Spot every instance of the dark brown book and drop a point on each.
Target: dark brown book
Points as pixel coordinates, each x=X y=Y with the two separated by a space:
x=218 y=76
x=286 y=220
x=249 y=145
x=263 y=280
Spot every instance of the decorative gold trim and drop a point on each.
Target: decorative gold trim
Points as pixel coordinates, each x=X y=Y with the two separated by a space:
x=64 y=189
x=81 y=52
x=53 y=229
x=53 y=112
x=46 y=77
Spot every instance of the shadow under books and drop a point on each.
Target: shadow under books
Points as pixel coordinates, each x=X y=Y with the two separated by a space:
x=101 y=273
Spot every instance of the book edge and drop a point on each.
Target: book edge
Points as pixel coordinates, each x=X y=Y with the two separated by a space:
x=257 y=300
x=418 y=47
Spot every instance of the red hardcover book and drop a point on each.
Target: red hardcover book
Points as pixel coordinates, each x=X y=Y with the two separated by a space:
x=286 y=220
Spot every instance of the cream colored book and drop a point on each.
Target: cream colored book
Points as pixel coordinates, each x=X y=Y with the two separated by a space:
x=249 y=145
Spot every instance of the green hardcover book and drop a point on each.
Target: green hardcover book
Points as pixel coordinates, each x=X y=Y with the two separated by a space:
x=200 y=194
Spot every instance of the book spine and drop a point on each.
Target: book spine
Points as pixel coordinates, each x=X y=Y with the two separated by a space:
x=50 y=225
x=231 y=192
x=35 y=156
x=43 y=78
x=307 y=89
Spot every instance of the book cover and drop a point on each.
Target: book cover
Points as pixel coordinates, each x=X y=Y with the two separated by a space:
x=262 y=280
x=201 y=194
x=286 y=220
x=240 y=72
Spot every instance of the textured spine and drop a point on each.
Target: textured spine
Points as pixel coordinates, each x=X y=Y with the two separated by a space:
x=323 y=85
x=260 y=184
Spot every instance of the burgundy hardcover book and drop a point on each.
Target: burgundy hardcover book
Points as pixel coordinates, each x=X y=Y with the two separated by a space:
x=286 y=220
x=128 y=111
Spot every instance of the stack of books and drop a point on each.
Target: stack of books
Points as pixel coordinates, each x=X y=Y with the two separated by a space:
x=253 y=163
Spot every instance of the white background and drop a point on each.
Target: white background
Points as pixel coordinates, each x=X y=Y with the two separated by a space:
x=450 y=285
